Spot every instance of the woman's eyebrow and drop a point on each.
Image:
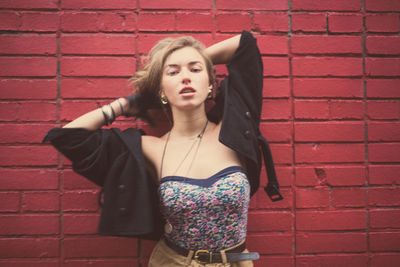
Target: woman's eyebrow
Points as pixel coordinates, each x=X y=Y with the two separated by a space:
x=191 y=63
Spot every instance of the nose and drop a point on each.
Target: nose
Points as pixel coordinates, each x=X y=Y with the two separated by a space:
x=185 y=76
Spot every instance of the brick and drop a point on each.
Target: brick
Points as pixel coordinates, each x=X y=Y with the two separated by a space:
x=97 y=66
x=388 y=218
x=28 y=66
x=271 y=22
x=39 y=21
x=382 y=22
x=345 y=23
x=276 y=109
x=384 y=241
x=34 y=111
x=73 y=180
x=38 y=224
x=80 y=201
x=100 y=4
x=40 y=262
x=339 y=5
x=383 y=45
x=156 y=21
x=9 y=201
x=311 y=109
x=23 y=133
x=28 y=44
x=380 y=109
x=264 y=202
x=384 y=174
x=116 y=21
x=72 y=110
x=24 y=247
x=233 y=22
x=346 y=109
x=94 y=88
x=102 y=262
x=387 y=260
x=97 y=44
x=329 y=153
x=327 y=66
x=383 y=131
x=28 y=179
x=326 y=44
x=383 y=197
x=41 y=201
x=77 y=247
x=30 y=4
x=179 y=4
x=80 y=224
x=27 y=156
x=312 y=198
x=9 y=21
x=270 y=243
x=383 y=88
x=252 y=5
x=309 y=22
x=276 y=66
x=328 y=87
x=277 y=131
x=281 y=261
x=28 y=88
x=383 y=5
x=330 y=220
x=331 y=175
x=269 y=221
x=8 y=111
x=79 y=21
x=331 y=242
x=273 y=45
x=349 y=197
x=337 y=260
x=382 y=66
x=190 y=21
x=329 y=131
x=276 y=87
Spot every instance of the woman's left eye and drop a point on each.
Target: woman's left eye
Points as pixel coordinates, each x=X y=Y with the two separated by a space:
x=196 y=69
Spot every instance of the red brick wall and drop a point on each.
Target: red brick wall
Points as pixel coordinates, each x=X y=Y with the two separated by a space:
x=331 y=112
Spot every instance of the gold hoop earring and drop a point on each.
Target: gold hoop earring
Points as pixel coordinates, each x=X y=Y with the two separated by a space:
x=209 y=96
x=164 y=99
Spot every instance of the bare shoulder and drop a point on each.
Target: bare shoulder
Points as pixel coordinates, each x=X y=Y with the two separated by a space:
x=152 y=147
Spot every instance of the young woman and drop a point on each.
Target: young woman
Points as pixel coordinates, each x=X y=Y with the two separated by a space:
x=190 y=188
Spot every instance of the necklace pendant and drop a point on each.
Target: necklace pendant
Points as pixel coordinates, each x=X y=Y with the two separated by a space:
x=168 y=228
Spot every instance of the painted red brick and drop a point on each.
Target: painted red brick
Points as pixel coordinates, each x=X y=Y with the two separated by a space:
x=100 y=4
x=277 y=131
x=233 y=22
x=73 y=180
x=327 y=66
x=387 y=218
x=190 y=21
x=331 y=242
x=80 y=201
x=384 y=22
x=387 y=259
x=95 y=88
x=23 y=133
x=340 y=5
x=335 y=260
x=9 y=20
x=383 y=88
x=383 y=5
x=39 y=21
x=380 y=109
x=384 y=174
x=309 y=22
x=178 y=4
x=103 y=262
x=354 y=197
x=383 y=45
x=28 y=44
x=330 y=175
x=382 y=66
x=24 y=247
x=383 y=197
x=28 y=66
x=326 y=44
x=156 y=21
x=311 y=109
x=346 y=109
x=40 y=201
x=276 y=87
x=330 y=220
x=9 y=201
x=27 y=156
x=270 y=243
x=273 y=45
x=80 y=224
x=28 y=88
x=255 y=4
x=39 y=224
x=276 y=109
x=328 y=87
x=329 y=132
x=312 y=198
x=384 y=131
x=30 y=4
x=329 y=153
x=271 y=22
x=276 y=66
x=28 y=179
x=345 y=23
x=79 y=21
x=77 y=247
x=270 y=221
x=384 y=241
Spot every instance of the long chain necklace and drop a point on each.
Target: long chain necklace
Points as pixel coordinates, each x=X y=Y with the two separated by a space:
x=199 y=137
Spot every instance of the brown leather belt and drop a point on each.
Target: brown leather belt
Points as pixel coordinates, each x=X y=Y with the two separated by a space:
x=205 y=256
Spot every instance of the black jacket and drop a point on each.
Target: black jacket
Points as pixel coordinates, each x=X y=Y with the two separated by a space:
x=113 y=159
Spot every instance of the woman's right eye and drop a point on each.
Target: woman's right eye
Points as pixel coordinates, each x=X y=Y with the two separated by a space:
x=172 y=72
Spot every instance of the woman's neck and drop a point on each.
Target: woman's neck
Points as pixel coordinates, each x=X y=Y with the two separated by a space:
x=188 y=124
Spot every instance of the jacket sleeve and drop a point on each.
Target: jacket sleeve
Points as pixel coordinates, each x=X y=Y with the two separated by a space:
x=91 y=152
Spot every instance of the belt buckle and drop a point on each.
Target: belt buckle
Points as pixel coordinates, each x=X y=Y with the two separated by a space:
x=196 y=256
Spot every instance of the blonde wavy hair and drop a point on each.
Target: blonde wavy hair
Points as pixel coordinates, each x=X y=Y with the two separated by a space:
x=147 y=80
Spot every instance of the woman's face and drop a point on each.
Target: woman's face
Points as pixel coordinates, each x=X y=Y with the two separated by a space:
x=185 y=80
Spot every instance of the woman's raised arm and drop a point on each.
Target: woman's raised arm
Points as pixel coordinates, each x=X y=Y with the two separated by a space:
x=222 y=52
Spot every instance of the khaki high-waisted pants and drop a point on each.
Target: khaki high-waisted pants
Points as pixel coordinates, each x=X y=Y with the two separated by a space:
x=164 y=256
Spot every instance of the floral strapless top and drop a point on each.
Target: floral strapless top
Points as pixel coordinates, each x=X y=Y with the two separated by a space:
x=206 y=213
